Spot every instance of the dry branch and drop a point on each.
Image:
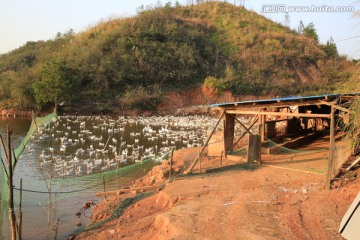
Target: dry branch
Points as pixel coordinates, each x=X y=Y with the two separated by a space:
x=118 y=192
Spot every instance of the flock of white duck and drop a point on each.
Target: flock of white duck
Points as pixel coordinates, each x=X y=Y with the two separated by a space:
x=82 y=145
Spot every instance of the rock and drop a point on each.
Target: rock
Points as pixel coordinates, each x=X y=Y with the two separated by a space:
x=88 y=204
x=350 y=175
x=78 y=224
x=166 y=173
x=335 y=184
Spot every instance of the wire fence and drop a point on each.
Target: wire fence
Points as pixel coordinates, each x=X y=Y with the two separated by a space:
x=45 y=201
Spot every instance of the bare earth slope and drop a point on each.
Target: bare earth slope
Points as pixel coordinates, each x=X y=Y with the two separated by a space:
x=260 y=203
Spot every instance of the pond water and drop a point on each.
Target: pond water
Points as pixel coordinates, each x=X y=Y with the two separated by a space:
x=76 y=146
x=69 y=158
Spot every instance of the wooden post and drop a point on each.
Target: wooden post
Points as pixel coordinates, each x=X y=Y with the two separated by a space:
x=262 y=128
x=332 y=149
x=11 y=189
x=229 y=128
x=19 y=227
x=199 y=163
x=171 y=163
x=254 y=149
x=221 y=156
x=224 y=137
x=104 y=184
x=260 y=124
x=56 y=229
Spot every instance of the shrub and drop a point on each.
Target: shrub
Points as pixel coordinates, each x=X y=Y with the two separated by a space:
x=215 y=84
x=141 y=98
x=353 y=127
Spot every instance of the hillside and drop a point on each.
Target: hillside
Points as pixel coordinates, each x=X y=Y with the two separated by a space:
x=131 y=63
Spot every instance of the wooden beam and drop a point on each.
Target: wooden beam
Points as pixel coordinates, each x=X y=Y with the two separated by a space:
x=268 y=105
x=337 y=106
x=353 y=164
x=342 y=108
x=244 y=133
x=205 y=145
x=243 y=125
x=327 y=103
x=308 y=115
x=237 y=141
x=332 y=150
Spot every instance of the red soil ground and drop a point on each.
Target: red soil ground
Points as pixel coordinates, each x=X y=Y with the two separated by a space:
x=243 y=202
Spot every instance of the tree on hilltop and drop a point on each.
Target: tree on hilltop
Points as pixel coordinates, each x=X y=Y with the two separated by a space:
x=310 y=31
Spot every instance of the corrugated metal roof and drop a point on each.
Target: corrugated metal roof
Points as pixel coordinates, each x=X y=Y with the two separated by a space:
x=349 y=226
x=328 y=97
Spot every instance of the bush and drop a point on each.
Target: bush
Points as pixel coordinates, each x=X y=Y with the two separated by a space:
x=141 y=98
x=217 y=85
x=103 y=108
x=353 y=127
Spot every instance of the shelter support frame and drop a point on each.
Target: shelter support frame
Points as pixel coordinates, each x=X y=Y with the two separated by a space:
x=229 y=127
x=283 y=109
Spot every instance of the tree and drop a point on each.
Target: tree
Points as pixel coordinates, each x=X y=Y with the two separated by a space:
x=310 y=31
x=6 y=80
x=301 y=27
x=330 y=48
x=57 y=83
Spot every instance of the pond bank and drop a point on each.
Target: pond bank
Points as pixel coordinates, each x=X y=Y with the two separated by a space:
x=15 y=113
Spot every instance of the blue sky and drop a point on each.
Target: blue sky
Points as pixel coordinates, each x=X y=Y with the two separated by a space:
x=33 y=20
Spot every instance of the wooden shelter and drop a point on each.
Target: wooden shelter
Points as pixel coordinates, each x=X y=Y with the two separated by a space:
x=297 y=115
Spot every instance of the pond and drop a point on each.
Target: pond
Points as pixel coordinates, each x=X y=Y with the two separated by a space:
x=69 y=158
x=76 y=146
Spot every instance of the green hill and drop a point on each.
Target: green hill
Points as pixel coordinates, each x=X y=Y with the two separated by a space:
x=132 y=62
